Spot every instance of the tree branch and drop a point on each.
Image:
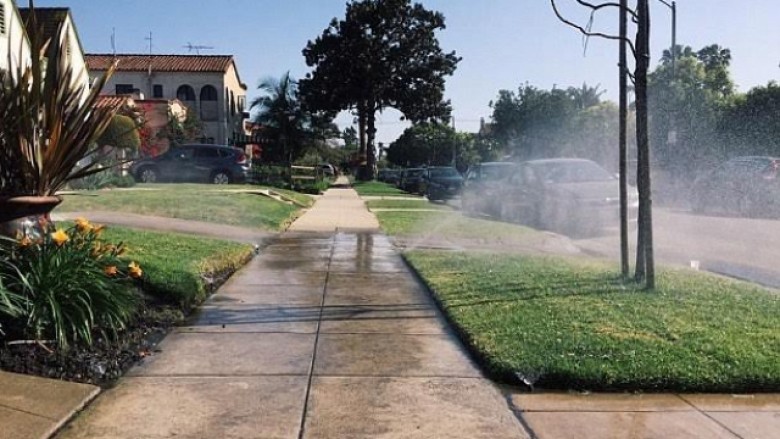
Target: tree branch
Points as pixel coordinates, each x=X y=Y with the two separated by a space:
x=604 y=5
x=588 y=33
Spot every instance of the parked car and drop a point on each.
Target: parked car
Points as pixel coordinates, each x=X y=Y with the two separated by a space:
x=411 y=180
x=481 y=186
x=194 y=163
x=572 y=196
x=441 y=183
x=390 y=176
x=746 y=186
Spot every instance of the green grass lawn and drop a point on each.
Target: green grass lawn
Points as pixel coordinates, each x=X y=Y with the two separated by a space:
x=571 y=323
x=217 y=204
x=178 y=268
x=406 y=204
x=377 y=188
x=453 y=225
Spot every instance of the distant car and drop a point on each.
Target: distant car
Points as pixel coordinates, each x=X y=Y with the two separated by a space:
x=194 y=163
x=481 y=186
x=411 y=180
x=746 y=186
x=328 y=170
x=572 y=196
x=441 y=183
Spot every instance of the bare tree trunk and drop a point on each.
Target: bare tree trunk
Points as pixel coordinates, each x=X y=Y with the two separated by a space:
x=622 y=141
x=645 y=268
x=361 y=109
x=370 y=150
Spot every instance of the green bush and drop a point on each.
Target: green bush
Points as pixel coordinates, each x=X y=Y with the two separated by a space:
x=102 y=180
x=66 y=286
x=123 y=181
x=92 y=182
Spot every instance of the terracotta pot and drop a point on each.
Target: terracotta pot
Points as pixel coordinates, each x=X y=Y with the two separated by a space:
x=26 y=215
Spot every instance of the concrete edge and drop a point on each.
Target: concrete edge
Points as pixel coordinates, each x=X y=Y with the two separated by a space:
x=77 y=408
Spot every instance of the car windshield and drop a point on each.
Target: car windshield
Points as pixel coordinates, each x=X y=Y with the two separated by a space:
x=496 y=172
x=414 y=172
x=572 y=172
x=444 y=172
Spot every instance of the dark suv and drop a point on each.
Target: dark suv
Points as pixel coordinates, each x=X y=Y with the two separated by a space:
x=441 y=183
x=194 y=163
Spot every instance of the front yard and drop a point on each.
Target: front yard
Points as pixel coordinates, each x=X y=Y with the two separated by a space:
x=571 y=323
x=174 y=273
x=568 y=321
x=234 y=205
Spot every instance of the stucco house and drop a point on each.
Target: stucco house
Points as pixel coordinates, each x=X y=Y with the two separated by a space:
x=208 y=85
x=14 y=35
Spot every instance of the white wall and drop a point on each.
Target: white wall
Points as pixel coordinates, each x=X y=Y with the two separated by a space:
x=13 y=36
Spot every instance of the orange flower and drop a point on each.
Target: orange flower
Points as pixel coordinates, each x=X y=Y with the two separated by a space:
x=60 y=237
x=83 y=225
x=25 y=241
x=98 y=229
x=134 y=270
x=110 y=270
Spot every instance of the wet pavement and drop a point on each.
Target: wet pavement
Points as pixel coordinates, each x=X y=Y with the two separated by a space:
x=321 y=336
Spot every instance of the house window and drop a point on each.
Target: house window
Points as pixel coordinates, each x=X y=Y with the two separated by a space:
x=185 y=93
x=124 y=89
x=157 y=91
x=209 y=109
x=2 y=18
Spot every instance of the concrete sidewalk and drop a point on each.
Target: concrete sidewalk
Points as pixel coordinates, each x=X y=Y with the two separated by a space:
x=324 y=335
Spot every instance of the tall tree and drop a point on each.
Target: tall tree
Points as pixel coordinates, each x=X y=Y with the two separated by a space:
x=435 y=144
x=640 y=47
x=685 y=107
x=384 y=53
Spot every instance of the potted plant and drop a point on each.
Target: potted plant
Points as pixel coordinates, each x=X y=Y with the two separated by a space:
x=49 y=123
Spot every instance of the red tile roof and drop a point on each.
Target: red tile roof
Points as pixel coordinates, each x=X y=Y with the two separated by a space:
x=161 y=63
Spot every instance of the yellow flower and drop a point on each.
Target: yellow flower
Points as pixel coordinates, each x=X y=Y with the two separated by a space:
x=110 y=270
x=98 y=229
x=60 y=237
x=25 y=241
x=97 y=249
x=83 y=225
x=134 y=270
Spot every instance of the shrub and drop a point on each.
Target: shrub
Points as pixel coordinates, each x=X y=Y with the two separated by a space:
x=66 y=285
x=92 y=182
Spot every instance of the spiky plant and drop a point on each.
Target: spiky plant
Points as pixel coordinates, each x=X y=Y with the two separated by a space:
x=49 y=121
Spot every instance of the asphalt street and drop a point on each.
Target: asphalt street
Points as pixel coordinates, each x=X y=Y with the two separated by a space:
x=745 y=248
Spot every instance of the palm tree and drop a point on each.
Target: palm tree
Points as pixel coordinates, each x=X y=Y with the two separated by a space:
x=284 y=122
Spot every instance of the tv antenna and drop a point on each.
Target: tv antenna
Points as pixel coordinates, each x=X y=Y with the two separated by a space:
x=196 y=47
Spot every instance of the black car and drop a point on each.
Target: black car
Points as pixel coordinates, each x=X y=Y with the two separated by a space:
x=481 y=186
x=411 y=180
x=441 y=183
x=746 y=186
x=390 y=176
x=194 y=163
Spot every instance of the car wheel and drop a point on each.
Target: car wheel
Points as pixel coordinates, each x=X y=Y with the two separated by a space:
x=221 y=177
x=147 y=175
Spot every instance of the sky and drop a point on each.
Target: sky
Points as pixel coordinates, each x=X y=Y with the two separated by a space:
x=503 y=43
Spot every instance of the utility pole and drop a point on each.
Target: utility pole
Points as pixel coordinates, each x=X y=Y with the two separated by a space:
x=623 y=153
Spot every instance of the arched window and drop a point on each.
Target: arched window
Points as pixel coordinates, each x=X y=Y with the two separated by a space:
x=208 y=103
x=185 y=93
